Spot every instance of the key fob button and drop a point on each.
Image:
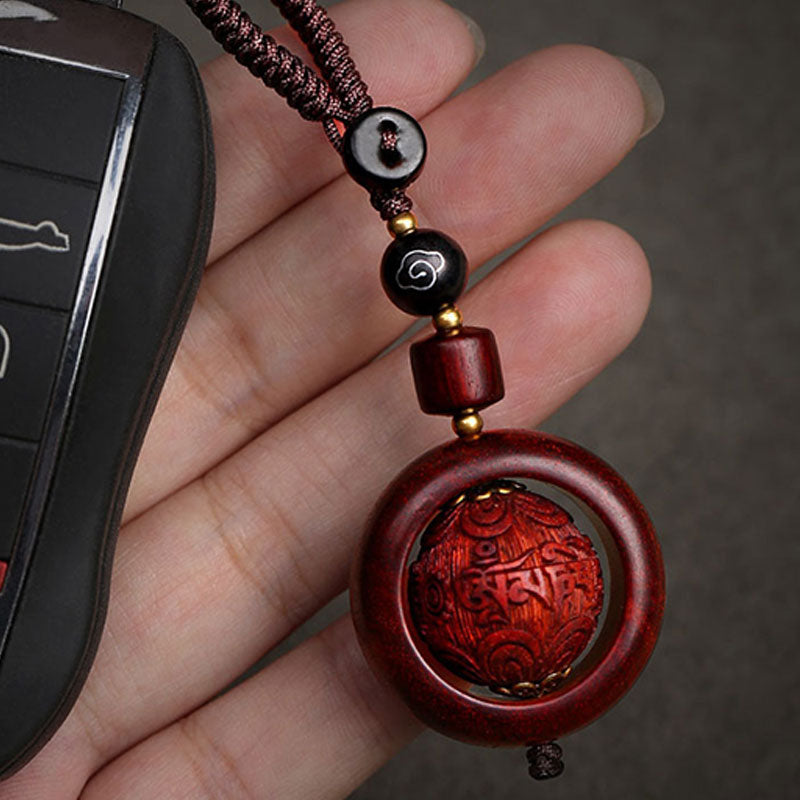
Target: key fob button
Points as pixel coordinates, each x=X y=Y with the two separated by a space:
x=64 y=117
x=16 y=468
x=30 y=346
x=45 y=223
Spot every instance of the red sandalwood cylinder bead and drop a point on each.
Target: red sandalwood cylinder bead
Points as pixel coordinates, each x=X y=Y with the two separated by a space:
x=453 y=373
x=506 y=591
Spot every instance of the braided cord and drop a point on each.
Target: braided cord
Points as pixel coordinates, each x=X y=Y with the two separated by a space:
x=336 y=94
x=330 y=53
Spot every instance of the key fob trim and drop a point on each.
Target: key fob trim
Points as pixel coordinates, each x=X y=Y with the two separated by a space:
x=83 y=306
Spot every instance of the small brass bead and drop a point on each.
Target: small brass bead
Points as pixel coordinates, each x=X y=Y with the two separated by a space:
x=402 y=224
x=468 y=425
x=448 y=321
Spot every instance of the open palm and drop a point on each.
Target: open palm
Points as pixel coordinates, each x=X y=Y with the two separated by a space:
x=277 y=428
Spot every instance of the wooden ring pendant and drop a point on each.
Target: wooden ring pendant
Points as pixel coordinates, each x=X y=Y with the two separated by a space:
x=380 y=598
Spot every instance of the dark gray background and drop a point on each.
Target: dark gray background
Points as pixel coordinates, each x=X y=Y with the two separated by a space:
x=699 y=413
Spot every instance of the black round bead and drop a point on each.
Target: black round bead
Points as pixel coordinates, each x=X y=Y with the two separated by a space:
x=375 y=167
x=423 y=271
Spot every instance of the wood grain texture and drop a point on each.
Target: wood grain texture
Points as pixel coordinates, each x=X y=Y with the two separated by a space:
x=506 y=591
x=379 y=591
x=453 y=373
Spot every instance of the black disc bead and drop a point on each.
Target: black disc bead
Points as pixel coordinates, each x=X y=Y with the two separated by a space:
x=423 y=271
x=374 y=165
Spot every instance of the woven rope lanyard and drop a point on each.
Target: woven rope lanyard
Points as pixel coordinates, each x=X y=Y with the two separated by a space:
x=335 y=96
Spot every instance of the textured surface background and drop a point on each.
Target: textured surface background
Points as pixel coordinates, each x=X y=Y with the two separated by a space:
x=699 y=414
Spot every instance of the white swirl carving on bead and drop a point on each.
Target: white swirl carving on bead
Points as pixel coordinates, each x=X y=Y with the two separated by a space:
x=420 y=270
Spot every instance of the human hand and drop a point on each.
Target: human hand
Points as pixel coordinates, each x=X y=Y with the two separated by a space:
x=277 y=430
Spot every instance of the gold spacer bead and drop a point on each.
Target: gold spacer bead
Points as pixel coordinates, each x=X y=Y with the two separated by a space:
x=468 y=424
x=402 y=224
x=448 y=321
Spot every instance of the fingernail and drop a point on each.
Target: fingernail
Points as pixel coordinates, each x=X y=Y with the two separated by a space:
x=478 y=37
x=652 y=94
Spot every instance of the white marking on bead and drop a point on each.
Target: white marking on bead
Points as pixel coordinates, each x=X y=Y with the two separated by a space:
x=419 y=270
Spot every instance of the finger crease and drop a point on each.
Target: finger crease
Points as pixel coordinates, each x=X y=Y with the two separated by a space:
x=204 y=381
x=341 y=670
x=272 y=590
x=214 y=767
x=200 y=380
x=98 y=730
x=244 y=350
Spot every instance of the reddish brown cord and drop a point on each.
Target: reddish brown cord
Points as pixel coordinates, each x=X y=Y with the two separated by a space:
x=337 y=94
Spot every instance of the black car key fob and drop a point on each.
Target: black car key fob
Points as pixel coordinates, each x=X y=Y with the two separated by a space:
x=106 y=202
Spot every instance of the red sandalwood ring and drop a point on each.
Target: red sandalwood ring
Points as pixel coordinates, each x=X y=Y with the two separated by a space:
x=380 y=601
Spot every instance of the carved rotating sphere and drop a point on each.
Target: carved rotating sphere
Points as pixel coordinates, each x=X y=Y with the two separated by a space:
x=506 y=591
